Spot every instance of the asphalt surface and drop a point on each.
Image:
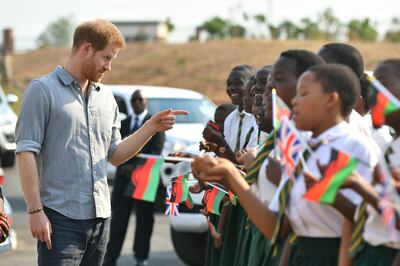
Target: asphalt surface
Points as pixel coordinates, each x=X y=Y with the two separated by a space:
x=162 y=252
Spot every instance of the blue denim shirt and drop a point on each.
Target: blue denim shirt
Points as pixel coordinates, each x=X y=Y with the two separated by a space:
x=73 y=137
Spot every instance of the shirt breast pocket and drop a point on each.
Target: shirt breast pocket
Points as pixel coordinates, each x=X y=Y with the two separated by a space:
x=105 y=121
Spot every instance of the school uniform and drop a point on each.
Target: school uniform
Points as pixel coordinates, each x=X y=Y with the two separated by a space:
x=240 y=131
x=381 y=245
x=260 y=245
x=232 y=130
x=319 y=226
x=261 y=137
x=363 y=124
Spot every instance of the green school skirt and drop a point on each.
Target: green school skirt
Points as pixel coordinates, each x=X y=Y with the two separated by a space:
x=375 y=256
x=244 y=239
x=259 y=248
x=316 y=251
x=212 y=254
x=229 y=245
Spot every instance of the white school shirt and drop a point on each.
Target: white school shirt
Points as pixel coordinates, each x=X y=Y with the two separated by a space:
x=381 y=136
x=375 y=231
x=263 y=189
x=311 y=219
x=263 y=137
x=231 y=126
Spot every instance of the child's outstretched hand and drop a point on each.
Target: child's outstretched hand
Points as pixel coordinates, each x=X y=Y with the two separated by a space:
x=4 y=227
x=212 y=169
x=246 y=156
x=197 y=188
x=208 y=146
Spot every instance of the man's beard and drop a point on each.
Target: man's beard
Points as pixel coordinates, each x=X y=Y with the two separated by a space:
x=90 y=72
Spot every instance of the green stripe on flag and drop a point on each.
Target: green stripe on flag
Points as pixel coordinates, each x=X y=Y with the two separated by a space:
x=154 y=179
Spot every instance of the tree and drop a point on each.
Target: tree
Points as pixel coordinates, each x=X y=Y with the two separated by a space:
x=330 y=24
x=274 y=31
x=393 y=35
x=288 y=30
x=219 y=28
x=361 y=30
x=262 y=25
x=237 y=31
x=311 y=30
x=57 y=34
x=216 y=27
x=170 y=25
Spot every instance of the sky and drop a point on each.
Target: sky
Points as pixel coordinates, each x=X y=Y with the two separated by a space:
x=29 y=18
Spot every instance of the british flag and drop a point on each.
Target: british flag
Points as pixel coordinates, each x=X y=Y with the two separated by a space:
x=385 y=202
x=172 y=207
x=290 y=147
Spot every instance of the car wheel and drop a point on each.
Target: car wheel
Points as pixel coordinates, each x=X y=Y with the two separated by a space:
x=190 y=247
x=7 y=159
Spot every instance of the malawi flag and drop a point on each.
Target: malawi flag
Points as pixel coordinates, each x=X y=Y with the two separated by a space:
x=279 y=109
x=180 y=188
x=340 y=166
x=382 y=102
x=212 y=199
x=145 y=179
x=232 y=198
x=189 y=202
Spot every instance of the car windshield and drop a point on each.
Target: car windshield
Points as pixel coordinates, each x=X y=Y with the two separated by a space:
x=201 y=110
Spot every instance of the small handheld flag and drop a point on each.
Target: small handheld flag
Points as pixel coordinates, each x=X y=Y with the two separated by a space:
x=180 y=188
x=212 y=200
x=279 y=110
x=290 y=147
x=339 y=167
x=145 y=179
x=172 y=207
x=382 y=102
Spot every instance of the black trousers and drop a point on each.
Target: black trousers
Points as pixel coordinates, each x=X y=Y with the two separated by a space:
x=121 y=208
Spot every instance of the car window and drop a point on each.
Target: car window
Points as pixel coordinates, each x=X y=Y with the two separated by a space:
x=201 y=110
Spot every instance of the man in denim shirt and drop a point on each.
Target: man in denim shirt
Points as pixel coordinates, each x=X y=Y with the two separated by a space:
x=69 y=123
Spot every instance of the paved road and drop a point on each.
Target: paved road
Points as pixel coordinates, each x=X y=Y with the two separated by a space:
x=162 y=250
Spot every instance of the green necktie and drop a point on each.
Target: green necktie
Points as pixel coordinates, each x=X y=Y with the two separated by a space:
x=284 y=196
x=357 y=241
x=254 y=169
x=239 y=133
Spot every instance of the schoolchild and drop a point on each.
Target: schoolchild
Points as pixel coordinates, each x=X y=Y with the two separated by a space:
x=289 y=66
x=379 y=244
x=326 y=94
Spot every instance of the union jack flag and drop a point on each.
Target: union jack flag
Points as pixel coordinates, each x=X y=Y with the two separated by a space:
x=290 y=147
x=172 y=207
x=385 y=202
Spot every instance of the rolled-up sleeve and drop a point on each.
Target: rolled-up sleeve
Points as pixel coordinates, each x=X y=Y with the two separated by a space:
x=115 y=133
x=34 y=115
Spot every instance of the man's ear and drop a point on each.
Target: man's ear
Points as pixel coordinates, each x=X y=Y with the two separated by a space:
x=87 y=48
x=332 y=100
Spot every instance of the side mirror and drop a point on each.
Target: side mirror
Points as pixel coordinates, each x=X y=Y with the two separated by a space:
x=12 y=98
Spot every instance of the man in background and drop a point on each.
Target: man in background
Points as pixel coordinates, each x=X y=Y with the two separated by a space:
x=121 y=202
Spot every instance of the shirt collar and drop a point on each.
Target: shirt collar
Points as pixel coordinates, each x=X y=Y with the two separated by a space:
x=332 y=133
x=67 y=79
x=246 y=113
x=140 y=116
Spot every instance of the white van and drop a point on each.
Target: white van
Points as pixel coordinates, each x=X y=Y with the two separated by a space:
x=188 y=230
x=8 y=120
